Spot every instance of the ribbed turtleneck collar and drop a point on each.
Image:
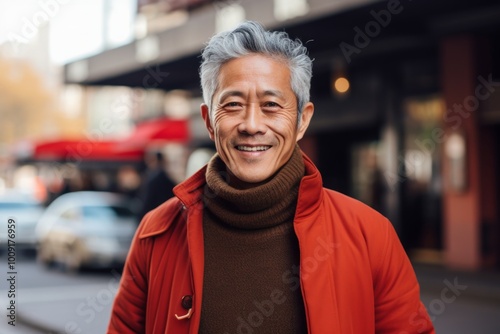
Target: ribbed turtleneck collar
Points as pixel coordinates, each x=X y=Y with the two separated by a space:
x=266 y=205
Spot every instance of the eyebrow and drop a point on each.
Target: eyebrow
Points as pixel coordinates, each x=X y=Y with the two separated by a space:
x=238 y=93
x=229 y=93
x=272 y=92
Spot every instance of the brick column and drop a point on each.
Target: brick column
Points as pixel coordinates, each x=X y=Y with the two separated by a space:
x=460 y=56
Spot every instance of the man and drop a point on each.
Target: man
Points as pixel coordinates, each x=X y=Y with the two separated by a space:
x=253 y=243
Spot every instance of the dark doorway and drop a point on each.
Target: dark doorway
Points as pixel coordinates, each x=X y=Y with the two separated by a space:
x=343 y=155
x=421 y=186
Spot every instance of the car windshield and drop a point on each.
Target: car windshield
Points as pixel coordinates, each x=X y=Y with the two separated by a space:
x=18 y=205
x=99 y=212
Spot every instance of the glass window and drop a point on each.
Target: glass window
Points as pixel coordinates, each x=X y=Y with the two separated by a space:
x=70 y=214
x=106 y=212
x=422 y=182
x=366 y=178
x=17 y=205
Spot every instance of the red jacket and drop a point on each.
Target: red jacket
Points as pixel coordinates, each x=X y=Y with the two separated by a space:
x=355 y=276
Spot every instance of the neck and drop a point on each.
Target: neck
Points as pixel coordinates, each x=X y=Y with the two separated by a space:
x=247 y=204
x=236 y=183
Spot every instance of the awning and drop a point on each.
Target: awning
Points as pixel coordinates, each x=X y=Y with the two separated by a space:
x=83 y=150
x=155 y=133
x=146 y=135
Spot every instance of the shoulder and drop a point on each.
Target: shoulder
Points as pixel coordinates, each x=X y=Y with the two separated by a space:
x=161 y=218
x=351 y=208
x=357 y=220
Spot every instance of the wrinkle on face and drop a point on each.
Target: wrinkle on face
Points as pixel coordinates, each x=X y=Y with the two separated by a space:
x=255 y=105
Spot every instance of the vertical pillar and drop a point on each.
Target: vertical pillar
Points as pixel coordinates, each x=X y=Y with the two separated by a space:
x=489 y=196
x=390 y=137
x=461 y=206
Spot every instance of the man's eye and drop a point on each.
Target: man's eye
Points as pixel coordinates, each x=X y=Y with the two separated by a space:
x=271 y=104
x=232 y=105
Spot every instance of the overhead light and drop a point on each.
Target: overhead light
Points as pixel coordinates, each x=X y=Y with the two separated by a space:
x=341 y=85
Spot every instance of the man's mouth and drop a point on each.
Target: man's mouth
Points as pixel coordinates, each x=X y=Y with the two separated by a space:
x=252 y=148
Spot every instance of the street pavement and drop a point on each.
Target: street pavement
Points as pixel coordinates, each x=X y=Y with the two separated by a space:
x=458 y=302
x=461 y=302
x=72 y=310
x=52 y=301
x=20 y=328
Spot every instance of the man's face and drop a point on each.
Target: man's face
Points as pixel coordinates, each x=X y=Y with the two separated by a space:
x=254 y=121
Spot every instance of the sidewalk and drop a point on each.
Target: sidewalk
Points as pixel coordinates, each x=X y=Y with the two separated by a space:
x=19 y=328
x=460 y=302
x=68 y=312
x=482 y=285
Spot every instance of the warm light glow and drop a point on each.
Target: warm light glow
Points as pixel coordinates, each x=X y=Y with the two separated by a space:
x=341 y=85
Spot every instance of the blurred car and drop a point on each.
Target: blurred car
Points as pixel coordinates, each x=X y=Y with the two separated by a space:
x=24 y=210
x=86 y=229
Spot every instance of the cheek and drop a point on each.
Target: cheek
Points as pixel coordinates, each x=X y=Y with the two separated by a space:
x=221 y=119
x=285 y=126
x=222 y=126
x=216 y=116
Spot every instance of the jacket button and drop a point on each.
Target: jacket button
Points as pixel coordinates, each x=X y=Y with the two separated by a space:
x=187 y=302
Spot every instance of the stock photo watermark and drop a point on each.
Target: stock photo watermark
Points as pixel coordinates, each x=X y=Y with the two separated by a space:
x=120 y=108
x=453 y=118
x=11 y=272
x=437 y=306
x=448 y=295
x=371 y=30
x=31 y=24
x=87 y=310
x=246 y=324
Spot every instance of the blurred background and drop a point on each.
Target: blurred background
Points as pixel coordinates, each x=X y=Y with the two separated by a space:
x=99 y=100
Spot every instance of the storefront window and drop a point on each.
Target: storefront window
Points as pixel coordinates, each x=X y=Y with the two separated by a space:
x=421 y=166
x=367 y=180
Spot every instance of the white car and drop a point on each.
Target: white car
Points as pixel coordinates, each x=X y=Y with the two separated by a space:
x=19 y=213
x=86 y=229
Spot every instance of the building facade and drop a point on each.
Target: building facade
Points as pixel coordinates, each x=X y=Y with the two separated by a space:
x=407 y=98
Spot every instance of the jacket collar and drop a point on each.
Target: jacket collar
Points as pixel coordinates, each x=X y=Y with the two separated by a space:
x=310 y=190
x=190 y=192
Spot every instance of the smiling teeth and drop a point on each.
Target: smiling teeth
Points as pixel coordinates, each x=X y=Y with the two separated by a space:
x=253 y=148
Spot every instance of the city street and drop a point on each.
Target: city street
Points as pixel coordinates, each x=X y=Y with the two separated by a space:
x=51 y=301
x=252 y=111
x=461 y=302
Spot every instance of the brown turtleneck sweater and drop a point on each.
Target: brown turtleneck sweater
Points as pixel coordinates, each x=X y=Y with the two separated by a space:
x=251 y=254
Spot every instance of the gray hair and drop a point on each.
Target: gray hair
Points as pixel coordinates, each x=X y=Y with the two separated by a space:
x=250 y=37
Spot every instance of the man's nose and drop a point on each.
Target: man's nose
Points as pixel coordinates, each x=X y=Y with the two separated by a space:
x=253 y=121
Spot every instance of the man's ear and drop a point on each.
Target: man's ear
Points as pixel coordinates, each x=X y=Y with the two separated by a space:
x=205 y=114
x=305 y=119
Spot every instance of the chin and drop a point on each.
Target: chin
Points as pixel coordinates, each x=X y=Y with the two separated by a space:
x=253 y=178
x=252 y=174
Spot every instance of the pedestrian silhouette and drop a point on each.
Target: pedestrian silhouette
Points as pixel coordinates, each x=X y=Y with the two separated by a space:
x=157 y=185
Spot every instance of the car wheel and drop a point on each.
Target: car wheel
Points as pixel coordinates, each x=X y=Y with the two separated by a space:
x=72 y=261
x=44 y=258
